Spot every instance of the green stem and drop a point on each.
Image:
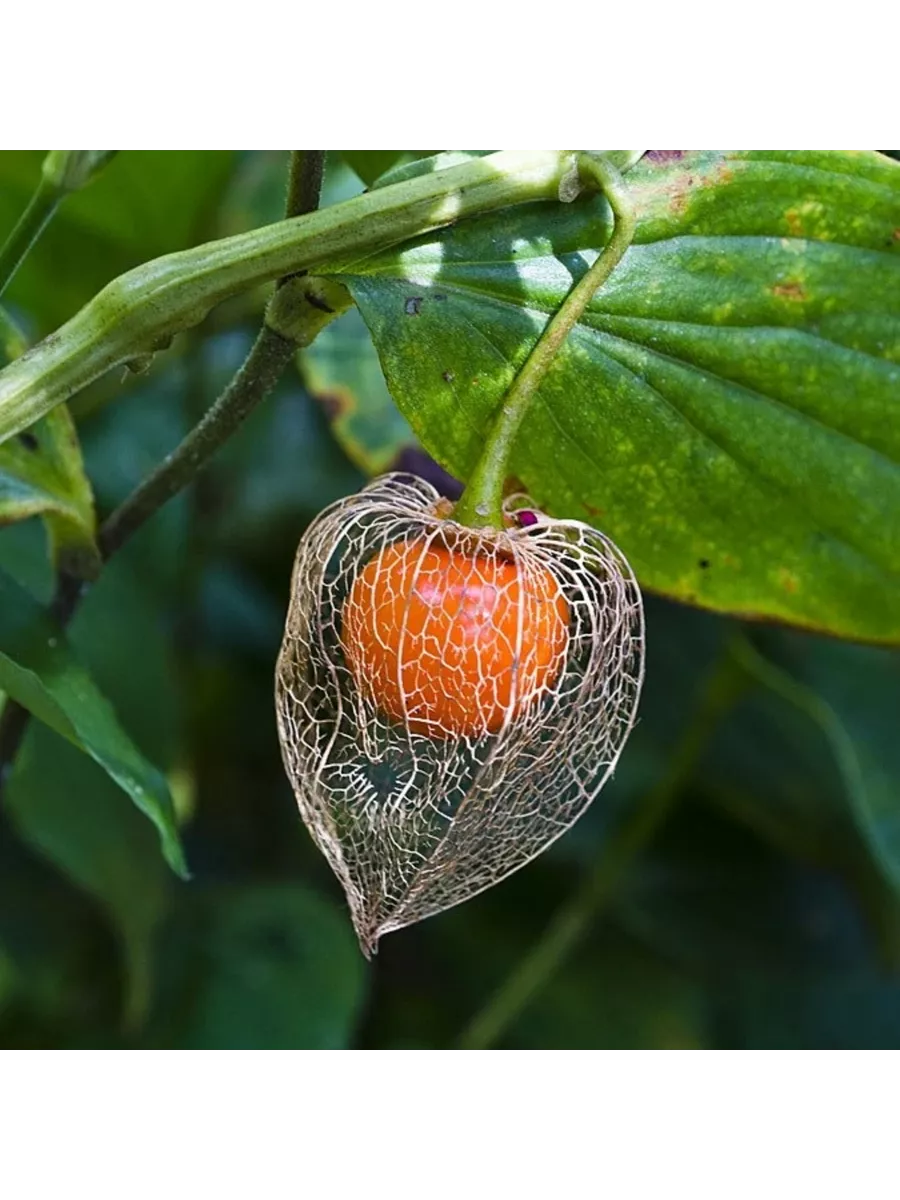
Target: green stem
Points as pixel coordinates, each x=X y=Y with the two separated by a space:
x=482 y=501
x=261 y=370
x=259 y=373
x=140 y=311
x=41 y=207
x=577 y=915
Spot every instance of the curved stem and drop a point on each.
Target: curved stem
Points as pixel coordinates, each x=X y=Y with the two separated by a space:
x=481 y=503
x=141 y=311
x=41 y=207
x=577 y=915
x=257 y=376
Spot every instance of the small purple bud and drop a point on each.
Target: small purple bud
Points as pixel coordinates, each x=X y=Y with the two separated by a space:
x=527 y=517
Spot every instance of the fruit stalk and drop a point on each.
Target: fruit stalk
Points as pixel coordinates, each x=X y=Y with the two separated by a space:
x=482 y=501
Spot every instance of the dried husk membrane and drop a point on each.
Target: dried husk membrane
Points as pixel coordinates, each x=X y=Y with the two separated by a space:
x=412 y=818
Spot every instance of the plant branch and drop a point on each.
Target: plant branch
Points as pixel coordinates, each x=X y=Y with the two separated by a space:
x=304 y=186
x=481 y=503
x=141 y=311
x=260 y=371
x=258 y=375
x=575 y=917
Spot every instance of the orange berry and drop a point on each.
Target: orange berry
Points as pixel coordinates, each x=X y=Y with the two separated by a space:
x=447 y=640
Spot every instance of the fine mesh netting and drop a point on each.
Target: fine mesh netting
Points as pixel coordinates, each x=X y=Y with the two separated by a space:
x=449 y=701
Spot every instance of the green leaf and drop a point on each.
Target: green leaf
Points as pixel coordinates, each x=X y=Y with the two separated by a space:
x=726 y=410
x=342 y=372
x=39 y=669
x=42 y=474
x=274 y=967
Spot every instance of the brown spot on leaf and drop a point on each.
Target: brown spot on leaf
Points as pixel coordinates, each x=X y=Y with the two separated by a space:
x=788 y=580
x=794 y=222
x=896 y=235
x=591 y=510
x=792 y=290
x=664 y=156
x=679 y=194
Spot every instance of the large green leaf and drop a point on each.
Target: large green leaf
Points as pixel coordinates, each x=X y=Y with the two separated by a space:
x=39 y=669
x=727 y=408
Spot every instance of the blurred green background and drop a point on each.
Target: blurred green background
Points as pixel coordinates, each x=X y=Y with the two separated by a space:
x=763 y=912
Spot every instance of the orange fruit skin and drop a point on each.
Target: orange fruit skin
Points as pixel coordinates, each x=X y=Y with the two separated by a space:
x=431 y=635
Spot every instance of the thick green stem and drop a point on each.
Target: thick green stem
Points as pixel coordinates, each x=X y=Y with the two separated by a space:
x=28 y=229
x=482 y=501
x=140 y=311
x=575 y=918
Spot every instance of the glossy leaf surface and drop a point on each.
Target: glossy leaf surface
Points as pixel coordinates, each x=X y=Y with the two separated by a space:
x=726 y=410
